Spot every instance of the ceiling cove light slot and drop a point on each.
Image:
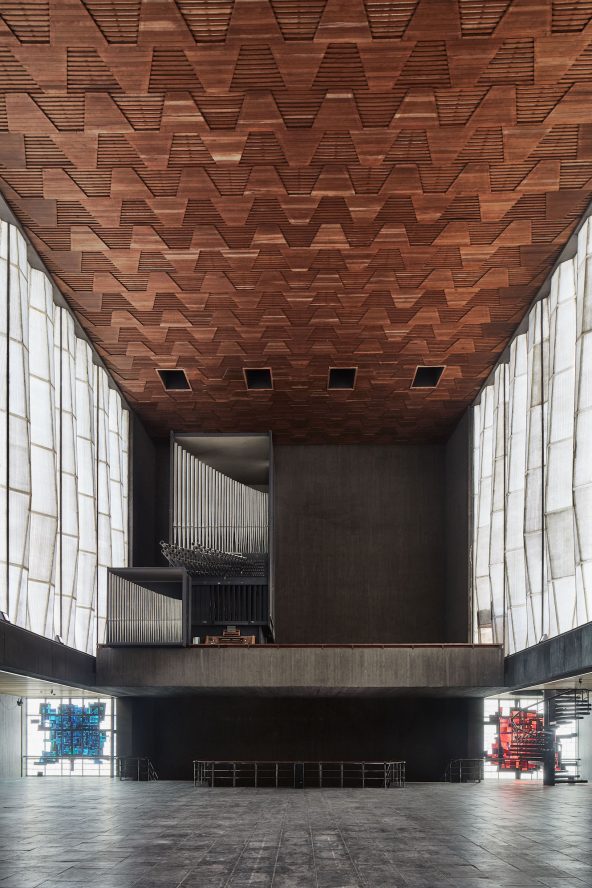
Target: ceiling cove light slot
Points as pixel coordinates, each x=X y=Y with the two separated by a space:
x=174 y=380
x=342 y=378
x=427 y=377
x=258 y=379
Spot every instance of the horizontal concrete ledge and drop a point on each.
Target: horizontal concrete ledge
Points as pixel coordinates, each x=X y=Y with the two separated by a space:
x=560 y=657
x=455 y=670
x=27 y=653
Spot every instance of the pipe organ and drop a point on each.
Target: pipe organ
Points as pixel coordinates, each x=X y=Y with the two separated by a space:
x=219 y=526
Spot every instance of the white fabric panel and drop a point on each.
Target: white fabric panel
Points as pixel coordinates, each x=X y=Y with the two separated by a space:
x=44 y=495
x=63 y=457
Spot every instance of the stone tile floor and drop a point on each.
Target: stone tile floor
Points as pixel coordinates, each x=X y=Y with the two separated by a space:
x=71 y=832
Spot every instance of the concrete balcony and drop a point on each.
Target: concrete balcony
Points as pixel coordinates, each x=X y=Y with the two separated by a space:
x=430 y=669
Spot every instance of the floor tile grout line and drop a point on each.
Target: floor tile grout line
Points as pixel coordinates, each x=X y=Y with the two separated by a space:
x=280 y=839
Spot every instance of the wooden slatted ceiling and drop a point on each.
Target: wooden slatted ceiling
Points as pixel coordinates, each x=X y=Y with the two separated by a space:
x=298 y=184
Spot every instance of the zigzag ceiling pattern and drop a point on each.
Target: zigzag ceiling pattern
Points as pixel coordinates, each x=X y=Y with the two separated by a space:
x=298 y=184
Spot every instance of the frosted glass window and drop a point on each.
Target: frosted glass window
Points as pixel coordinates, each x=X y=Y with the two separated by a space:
x=547 y=442
x=4 y=593
x=44 y=495
x=19 y=441
x=63 y=462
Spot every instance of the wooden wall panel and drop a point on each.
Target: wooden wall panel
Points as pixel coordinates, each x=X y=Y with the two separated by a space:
x=298 y=184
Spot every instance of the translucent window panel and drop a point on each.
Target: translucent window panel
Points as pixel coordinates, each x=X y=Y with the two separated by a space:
x=118 y=469
x=67 y=554
x=44 y=500
x=65 y=430
x=547 y=441
x=482 y=479
x=86 y=454
x=582 y=480
x=4 y=595
x=559 y=521
x=516 y=491
x=70 y=734
x=497 y=535
x=534 y=542
x=104 y=510
x=19 y=466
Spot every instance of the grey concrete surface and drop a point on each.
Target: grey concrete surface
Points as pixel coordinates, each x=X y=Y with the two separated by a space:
x=175 y=730
x=98 y=833
x=456 y=530
x=27 y=653
x=10 y=737
x=584 y=729
x=560 y=657
x=360 y=543
x=472 y=669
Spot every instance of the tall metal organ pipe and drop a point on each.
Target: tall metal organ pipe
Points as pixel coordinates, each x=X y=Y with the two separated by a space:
x=215 y=511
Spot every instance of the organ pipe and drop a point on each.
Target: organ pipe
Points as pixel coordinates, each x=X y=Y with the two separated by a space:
x=214 y=511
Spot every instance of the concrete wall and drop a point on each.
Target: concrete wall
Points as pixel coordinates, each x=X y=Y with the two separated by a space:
x=457 y=623
x=453 y=670
x=10 y=737
x=143 y=499
x=360 y=544
x=163 y=475
x=27 y=653
x=149 y=497
x=425 y=732
x=556 y=658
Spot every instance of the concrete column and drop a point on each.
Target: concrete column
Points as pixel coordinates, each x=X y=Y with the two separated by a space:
x=10 y=737
x=585 y=747
x=550 y=744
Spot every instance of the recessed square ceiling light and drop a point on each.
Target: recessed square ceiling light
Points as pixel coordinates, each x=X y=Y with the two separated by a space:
x=342 y=377
x=174 y=380
x=258 y=379
x=427 y=377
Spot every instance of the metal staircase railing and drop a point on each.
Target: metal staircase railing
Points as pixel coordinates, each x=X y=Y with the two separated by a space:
x=136 y=768
x=464 y=770
x=569 y=705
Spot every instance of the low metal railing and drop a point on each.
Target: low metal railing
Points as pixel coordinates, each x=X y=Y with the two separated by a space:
x=464 y=770
x=135 y=768
x=299 y=774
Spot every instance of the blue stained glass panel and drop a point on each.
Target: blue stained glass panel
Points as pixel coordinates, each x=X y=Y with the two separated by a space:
x=72 y=731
